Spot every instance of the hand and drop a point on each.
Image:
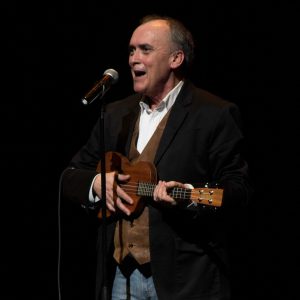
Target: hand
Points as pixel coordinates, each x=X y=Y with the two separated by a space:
x=161 y=191
x=114 y=193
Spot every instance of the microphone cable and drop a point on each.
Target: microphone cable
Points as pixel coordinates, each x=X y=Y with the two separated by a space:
x=59 y=288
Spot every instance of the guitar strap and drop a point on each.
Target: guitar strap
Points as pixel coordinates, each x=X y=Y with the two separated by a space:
x=132 y=236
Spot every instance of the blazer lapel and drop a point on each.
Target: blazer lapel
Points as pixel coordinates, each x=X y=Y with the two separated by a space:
x=177 y=116
x=130 y=119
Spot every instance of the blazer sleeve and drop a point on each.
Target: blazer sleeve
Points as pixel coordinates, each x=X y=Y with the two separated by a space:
x=77 y=178
x=227 y=162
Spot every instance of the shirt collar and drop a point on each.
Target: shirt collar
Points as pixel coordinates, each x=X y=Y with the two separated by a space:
x=167 y=102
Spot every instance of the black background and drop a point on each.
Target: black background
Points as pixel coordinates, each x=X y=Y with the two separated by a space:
x=60 y=50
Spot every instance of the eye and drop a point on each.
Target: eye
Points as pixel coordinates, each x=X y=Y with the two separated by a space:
x=146 y=49
x=131 y=51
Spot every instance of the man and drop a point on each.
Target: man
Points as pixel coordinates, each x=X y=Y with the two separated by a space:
x=169 y=247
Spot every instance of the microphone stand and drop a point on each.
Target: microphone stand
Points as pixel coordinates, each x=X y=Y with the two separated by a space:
x=104 y=290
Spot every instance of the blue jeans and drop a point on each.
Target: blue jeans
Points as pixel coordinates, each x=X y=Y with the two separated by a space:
x=134 y=287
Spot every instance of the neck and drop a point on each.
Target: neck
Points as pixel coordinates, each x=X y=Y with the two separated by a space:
x=154 y=101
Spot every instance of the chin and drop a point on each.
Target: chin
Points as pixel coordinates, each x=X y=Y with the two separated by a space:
x=138 y=89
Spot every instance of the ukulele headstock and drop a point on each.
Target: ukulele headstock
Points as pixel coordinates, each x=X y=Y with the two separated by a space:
x=207 y=196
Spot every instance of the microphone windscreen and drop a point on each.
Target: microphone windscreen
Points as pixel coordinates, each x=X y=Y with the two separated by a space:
x=113 y=74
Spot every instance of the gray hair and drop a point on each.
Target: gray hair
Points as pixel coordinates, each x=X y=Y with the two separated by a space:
x=180 y=35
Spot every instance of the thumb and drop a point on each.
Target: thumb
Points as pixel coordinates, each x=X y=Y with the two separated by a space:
x=123 y=177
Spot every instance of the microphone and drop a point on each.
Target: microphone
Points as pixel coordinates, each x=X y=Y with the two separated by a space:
x=110 y=76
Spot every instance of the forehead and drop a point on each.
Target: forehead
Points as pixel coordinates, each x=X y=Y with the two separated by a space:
x=153 y=32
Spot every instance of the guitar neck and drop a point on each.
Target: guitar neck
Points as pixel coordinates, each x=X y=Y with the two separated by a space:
x=206 y=196
x=147 y=189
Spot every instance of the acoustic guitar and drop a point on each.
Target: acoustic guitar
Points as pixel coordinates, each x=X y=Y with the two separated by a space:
x=142 y=182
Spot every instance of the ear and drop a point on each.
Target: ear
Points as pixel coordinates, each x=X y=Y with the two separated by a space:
x=176 y=59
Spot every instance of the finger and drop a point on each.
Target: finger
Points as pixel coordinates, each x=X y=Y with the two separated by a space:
x=110 y=203
x=123 y=195
x=157 y=191
x=122 y=207
x=123 y=177
x=171 y=184
x=163 y=191
x=110 y=207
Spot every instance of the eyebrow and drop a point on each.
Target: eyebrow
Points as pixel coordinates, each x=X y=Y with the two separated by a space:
x=141 y=46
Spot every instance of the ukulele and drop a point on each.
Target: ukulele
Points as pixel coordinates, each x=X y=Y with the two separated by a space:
x=143 y=180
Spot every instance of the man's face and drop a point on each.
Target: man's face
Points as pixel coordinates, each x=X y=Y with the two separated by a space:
x=150 y=55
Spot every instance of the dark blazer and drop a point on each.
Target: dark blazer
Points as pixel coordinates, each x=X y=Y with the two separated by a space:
x=201 y=143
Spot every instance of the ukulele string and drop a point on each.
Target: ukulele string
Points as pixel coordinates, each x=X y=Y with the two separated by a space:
x=147 y=189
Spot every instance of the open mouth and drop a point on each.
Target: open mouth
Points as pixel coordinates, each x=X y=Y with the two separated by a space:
x=139 y=73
